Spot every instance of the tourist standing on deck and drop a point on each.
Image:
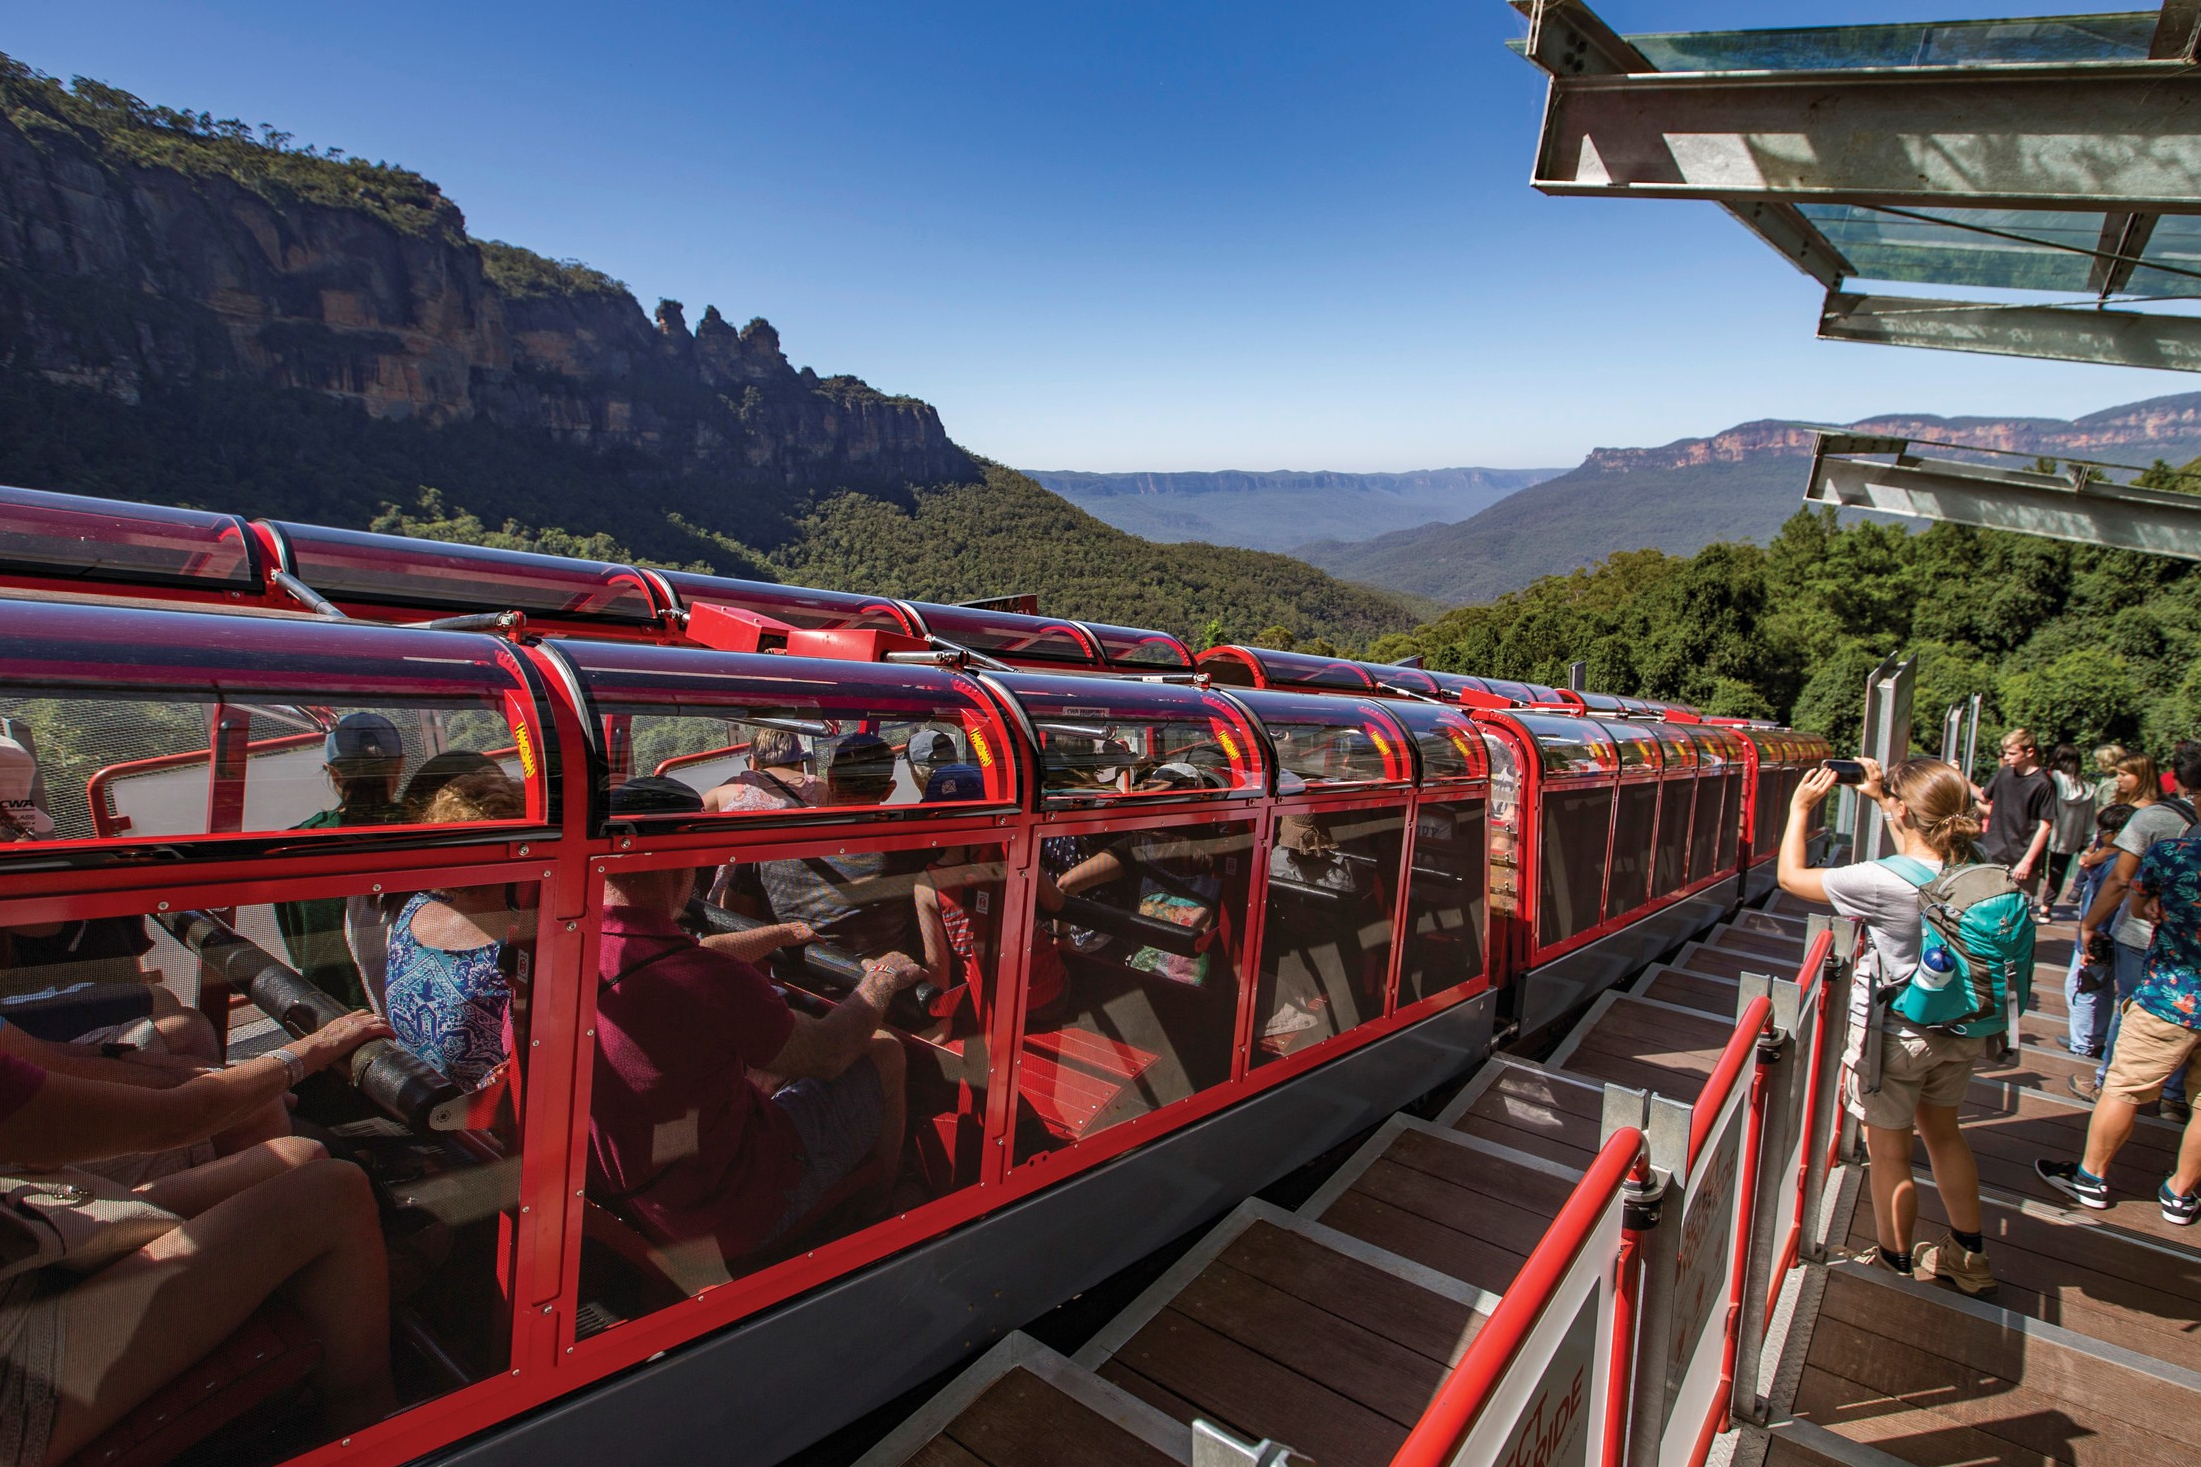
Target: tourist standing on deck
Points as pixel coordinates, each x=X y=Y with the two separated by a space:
x=2073 y=822
x=2021 y=804
x=1903 y=1079
x=2152 y=820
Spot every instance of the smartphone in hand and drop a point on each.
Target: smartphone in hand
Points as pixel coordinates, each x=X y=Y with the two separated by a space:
x=1846 y=771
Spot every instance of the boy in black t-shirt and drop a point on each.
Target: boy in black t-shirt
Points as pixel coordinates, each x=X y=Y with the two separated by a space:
x=2021 y=806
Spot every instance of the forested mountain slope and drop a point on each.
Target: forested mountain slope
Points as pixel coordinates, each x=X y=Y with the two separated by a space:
x=193 y=312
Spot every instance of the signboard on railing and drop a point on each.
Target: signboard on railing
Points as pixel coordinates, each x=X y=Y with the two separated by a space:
x=1712 y=1221
x=1548 y=1408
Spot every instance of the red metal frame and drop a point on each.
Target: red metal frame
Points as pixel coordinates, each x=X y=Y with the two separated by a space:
x=1444 y=1425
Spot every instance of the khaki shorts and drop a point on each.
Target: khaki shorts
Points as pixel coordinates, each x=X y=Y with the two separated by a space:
x=1916 y=1070
x=2149 y=1051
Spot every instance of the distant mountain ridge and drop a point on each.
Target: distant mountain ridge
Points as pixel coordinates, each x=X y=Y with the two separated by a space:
x=1273 y=509
x=1738 y=484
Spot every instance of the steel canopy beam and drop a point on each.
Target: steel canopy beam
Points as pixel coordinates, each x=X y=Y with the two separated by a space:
x=2088 y=137
x=2106 y=338
x=2151 y=520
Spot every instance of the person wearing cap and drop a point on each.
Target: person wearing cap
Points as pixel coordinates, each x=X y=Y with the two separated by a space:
x=776 y=778
x=365 y=758
x=930 y=751
x=858 y=901
x=682 y=1136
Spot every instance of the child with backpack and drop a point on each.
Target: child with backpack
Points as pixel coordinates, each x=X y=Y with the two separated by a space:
x=1951 y=946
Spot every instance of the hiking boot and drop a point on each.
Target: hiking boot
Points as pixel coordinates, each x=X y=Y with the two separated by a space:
x=2084 y=1087
x=2177 y=1209
x=2177 y=1112
x=1951 y=1260
x=2067 y=1178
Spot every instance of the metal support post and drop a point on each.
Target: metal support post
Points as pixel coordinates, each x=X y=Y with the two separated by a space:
x=1214 y=1447
x=1952 y=733
x=1665 y=1127
x=1578 y=676
x=1887 y=739
x=1971 y=735
x=1784 y=1070
x=1827 y=1110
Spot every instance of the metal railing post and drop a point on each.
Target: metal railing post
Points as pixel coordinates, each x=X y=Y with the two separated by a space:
x=1783 y=1066
x=1665 y=1127
x=1826 y=1104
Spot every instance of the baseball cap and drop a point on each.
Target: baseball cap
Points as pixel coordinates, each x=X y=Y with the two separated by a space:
x=930 y=747
x=364 y=739
x=655 y=795
x=18 y=776
x=955 y=782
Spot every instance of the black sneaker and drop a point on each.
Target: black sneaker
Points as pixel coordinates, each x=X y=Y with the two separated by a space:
x=2066 y=1178
x=2177 y=1209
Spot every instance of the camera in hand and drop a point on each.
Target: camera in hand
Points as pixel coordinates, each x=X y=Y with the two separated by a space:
x=1846 y=771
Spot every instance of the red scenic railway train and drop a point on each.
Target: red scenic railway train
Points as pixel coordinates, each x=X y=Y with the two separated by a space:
x=1211 y=916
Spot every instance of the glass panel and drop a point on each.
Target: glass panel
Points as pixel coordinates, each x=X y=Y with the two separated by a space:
x=1670 y=870
x=1009 y=635
x=1520 y=693
x=1326 y=940
x=395 y=570
x=1152 y=938
x=1629 y=886
x=1133 y=647
x=1451 y=746
x=1505 y=827
x=1413 y=679
x=1329 y=740
x=1285 y=669
x=392 y=1249
x=1887 y=246
x=2176 y=241
x=1102 y=739
x=1599 y=702
x=1577 y=833
x=734 y=1123
x=1446 y=917
x=65 y=535
x=1766 y=835
x=1705 y=835
x=773 y=736
x=1730 y=818
x=798 y=606
x=1570 y=746
x=1941 y=43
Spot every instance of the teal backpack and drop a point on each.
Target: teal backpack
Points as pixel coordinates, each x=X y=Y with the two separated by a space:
x=1975 y=951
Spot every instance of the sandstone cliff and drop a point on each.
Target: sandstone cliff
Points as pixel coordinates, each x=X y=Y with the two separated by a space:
x=143 y=249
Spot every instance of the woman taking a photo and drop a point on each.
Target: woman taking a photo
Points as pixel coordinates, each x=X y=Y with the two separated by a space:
x=1920 y=1076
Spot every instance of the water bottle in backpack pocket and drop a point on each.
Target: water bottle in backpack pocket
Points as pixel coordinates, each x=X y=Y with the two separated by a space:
x=1975 y=966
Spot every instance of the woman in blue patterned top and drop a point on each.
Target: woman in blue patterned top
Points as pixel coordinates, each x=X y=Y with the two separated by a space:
x=448 y=993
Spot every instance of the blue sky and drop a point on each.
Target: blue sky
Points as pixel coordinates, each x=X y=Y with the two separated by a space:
x=1096 y=235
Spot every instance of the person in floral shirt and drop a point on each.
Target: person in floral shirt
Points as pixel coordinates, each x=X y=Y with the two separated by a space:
x=2162 y=1030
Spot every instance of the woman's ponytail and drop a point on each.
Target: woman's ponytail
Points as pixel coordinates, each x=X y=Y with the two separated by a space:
x=1938 y=801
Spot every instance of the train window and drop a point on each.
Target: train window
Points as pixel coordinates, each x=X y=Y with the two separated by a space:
x=65 y=536
x=1507 y=839
x=1719 y=777
x=1249 y=667
x=1009 y=635
x=1133 y=647
x=1576 y=838
x=1103 y=740
x=1327 y=740
x=1570 y=747
x=1151 y=932
x=1446 y=918
x=1450 y=745
x=1412 y=679
x=760 y=735
x=388 y=1186
x=737 y=1118
x=1326 y=940
x=397 y=570
x=1676 y=803
x=798 y=606
x=220 y=725
x=1635 y=815
x=1520 y=693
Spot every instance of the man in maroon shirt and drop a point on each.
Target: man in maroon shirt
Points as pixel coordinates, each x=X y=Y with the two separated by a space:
x=679 y=1133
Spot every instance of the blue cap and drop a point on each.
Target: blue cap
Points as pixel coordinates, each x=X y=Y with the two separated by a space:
x=955 y=782
x=359 y=737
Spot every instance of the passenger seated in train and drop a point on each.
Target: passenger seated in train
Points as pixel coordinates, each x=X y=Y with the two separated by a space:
x=438 y=770
x=94 y=1331
x=1176 y=883
x=455 y=956
x=681 y=1133
x=776 y=778
x=58 y=955
x=858 y=902
x=944 y=918
x=931 y=750
x=365 y=757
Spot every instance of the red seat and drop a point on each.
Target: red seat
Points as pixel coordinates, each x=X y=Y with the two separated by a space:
x=1070 y=1076
x=271 y=1353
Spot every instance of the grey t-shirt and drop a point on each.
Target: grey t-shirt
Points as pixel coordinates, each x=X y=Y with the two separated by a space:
x=1888 y=906
x=2149 y=824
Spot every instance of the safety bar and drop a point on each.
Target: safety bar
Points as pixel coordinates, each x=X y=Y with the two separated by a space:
x=1742 y=1046
x=1439 y=1436
x=397 y=1082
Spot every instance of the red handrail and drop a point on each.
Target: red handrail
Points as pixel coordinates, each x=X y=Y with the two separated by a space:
x=1741 y=1051
x=1437 y=1436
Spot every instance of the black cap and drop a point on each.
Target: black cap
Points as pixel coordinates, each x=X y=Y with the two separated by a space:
x=655 y=795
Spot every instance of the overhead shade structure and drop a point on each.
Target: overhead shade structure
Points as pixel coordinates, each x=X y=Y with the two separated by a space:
x=2059 y=156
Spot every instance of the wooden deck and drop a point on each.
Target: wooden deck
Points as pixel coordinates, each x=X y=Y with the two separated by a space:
x=1330 y=1328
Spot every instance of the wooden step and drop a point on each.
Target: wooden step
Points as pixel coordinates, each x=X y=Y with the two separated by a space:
x=1771 y=947
x=1531 y=1109
x=2009 y=1129
x=1683 y=989
x=1628 y=1041
x=1894 y=1366
x=1279 y=1329
x=1023 y=1405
